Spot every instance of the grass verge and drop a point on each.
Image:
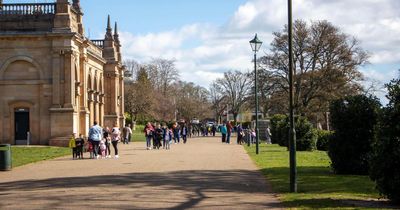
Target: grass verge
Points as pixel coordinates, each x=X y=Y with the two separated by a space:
x=137 y=134
x=318 y=187
x=25 y=155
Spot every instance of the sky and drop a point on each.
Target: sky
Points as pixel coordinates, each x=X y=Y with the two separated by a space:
x=209 y=37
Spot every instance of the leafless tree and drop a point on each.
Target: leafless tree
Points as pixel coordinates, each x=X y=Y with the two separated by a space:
x=325 y=66
x=237 y=86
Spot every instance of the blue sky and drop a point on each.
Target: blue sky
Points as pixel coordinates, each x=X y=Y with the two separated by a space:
x=209 y=37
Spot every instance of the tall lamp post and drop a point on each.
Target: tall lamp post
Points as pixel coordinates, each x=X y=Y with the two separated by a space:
x=292 y=130
x=255 y=46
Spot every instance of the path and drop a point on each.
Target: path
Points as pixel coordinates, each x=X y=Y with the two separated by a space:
x=203 y=174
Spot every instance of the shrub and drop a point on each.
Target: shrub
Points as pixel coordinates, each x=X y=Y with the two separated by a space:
x=305 y=136
x=385 y=164
x=278 y=129
x=353 y=119
x=323 y=137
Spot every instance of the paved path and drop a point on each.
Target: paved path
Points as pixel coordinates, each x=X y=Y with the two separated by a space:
x=202 y=174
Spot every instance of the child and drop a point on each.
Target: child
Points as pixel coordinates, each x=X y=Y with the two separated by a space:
x=167 y=138
x=79 y=142
x=102 y=149
x=90 y=149
x=72 y=145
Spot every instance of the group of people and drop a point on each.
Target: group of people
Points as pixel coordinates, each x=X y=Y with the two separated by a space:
x=158 y=136
x=99 y=141
x=227 y=129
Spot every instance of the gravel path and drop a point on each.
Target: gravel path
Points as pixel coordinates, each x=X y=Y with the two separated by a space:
x=202 y=174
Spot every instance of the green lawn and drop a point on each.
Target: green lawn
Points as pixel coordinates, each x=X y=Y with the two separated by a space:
x=138 y=134
x=318 y=187
x=25 y=155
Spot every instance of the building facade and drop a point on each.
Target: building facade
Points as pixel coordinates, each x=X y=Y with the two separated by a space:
x=53 y=80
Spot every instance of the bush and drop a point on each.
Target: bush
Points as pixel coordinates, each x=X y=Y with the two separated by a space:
x=385 y=164
x=305 y=136
x=278 y=129
x=353 y=119
x=323 y=137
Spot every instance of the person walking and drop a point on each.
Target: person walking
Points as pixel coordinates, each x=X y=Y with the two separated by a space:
x=223 y=132
x=127 y=132
x=115 y=138
x=229 y=132
x=148 y=132
x=107 y=140
x=184 y=132
x=268 y=136
x=95 y=136
x=240 y=134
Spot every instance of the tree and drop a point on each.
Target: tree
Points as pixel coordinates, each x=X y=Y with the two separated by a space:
x=163 y=73
x=385 y=164
x=237 y=87
x=218 y=100
x=131 y=69
x=139 y=97
x=325 y=66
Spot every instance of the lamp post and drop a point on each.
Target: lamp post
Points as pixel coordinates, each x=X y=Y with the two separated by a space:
x=255 y=46
x=292 y=130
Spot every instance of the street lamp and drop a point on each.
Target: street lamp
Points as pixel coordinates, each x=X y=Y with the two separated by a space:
x=292 y=130
x=255 y=46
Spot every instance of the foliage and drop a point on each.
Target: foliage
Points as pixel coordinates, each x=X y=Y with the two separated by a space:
x=323 y=138
x=385 y=164
x=325 y=67
x=154 y=92
x=318 y=187
x=354 y=120
x=305 y=136
x=25 y=155
x=278 y=129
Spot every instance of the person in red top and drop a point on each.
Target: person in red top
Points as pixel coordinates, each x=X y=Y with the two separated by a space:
x=148 y=133
x=229 y=132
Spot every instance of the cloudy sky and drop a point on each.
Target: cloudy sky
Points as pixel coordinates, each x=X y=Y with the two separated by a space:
x=209 y=37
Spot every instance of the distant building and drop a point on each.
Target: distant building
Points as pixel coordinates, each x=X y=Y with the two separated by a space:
x=53 y=80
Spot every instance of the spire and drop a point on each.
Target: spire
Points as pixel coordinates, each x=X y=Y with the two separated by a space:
x=109 y=30
x=116 y=35
x=76 y=4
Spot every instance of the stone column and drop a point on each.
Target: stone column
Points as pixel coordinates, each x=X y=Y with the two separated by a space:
x=68 y=79
x=56 y=67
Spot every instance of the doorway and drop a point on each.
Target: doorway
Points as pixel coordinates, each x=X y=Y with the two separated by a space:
x=21 y=126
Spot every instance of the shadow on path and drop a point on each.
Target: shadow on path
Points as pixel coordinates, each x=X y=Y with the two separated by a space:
x=177 y=190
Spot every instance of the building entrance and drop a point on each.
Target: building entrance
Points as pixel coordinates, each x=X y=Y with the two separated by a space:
x=21 y=126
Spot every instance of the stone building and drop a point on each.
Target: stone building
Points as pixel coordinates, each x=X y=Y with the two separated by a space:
x=53 y=80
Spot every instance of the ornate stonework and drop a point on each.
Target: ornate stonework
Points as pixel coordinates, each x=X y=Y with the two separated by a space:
x=53 y=80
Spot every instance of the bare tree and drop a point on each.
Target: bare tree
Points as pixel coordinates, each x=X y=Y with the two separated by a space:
x=218 y=100
x=237 y=87
x=131 y=69
x=325 y=65
x=163 y=73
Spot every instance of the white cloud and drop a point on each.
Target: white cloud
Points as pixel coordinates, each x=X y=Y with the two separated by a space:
x=204 y=51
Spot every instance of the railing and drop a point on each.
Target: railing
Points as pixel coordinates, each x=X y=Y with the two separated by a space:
x=98 y=42
x=28 y=9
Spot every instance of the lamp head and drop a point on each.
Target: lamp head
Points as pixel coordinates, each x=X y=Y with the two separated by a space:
x=255 y=44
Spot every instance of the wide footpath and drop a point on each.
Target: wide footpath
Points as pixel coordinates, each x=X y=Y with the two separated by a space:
x=202 y=174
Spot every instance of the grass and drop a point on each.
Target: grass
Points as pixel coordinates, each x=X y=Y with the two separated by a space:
x=138 y=134
x=25 y=155
x=318 y=187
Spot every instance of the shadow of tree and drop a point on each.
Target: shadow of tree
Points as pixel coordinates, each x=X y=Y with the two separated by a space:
x=193 y=187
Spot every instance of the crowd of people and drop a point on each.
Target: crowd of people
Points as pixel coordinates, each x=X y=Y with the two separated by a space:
x=99 y=141
x=157 y=136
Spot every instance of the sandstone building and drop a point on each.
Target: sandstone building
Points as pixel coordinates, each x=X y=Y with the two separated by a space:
x=53 y=80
